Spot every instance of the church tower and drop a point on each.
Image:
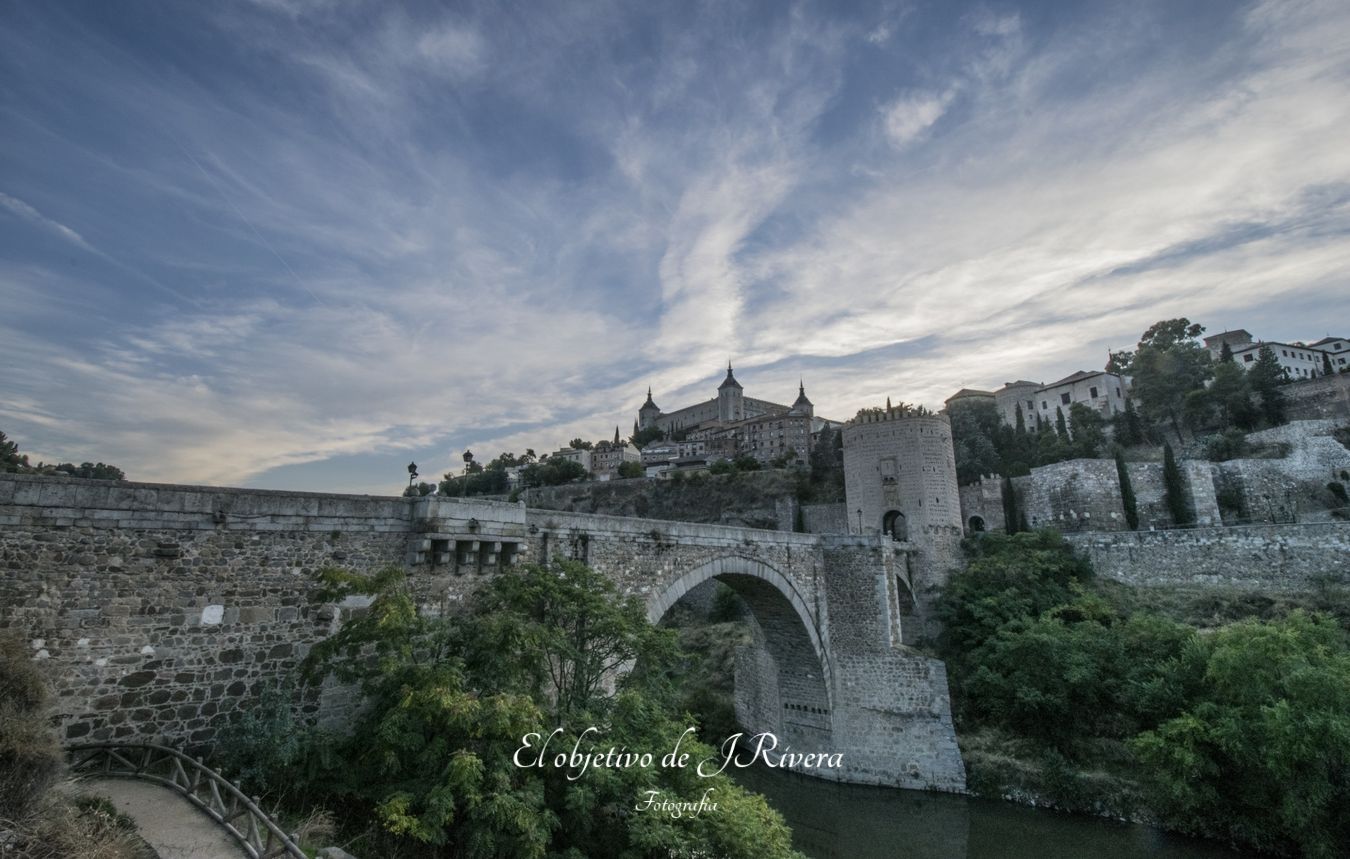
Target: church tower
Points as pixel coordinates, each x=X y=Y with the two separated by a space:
x=730 y=399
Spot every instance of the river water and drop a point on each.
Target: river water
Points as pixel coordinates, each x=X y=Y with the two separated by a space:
x=859 y=822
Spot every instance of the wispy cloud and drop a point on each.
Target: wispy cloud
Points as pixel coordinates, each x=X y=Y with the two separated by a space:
x=401 y=233
x=22 y=210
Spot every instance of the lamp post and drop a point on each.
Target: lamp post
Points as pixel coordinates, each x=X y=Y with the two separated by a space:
x=860 y=521
x=412 y=473
x=468 y=461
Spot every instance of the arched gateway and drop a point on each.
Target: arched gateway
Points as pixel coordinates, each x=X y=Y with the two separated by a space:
x=783 y=680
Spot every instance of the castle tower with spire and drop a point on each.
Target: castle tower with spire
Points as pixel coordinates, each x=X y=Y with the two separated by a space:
x=802 y=406
x=649 y=412
x=730 y=399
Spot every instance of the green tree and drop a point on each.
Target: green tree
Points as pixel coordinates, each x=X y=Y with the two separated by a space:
x=1168 y=364
x=1260 y=752
x=631 y=469
x=975 y=426
x=1327 y=369
x=1010 y=515
x=1089 y=431
x=10 y=458
x=1127 y=499
x=451 y=700
x=644 y=437
x=1231 y=394
x=1174 y=489
x=580 y=444
x=1061 y=428
x=1265 y=377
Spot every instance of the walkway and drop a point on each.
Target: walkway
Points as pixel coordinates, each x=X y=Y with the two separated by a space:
x=166 y=820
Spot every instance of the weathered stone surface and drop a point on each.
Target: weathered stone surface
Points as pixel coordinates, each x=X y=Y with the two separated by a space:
x=183 y=643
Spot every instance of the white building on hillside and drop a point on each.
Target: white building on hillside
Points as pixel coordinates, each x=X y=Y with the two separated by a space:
x=1099 y=390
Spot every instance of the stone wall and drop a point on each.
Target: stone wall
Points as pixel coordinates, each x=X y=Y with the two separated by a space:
x=1257 y=557
x=757 y=499
x=162 y=609
x=825 y=518
x=1084 y=494
x=1323 y=397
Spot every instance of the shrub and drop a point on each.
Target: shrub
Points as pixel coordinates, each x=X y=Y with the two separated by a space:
x=1260 y=753
x=30 y=756
x=1229 y=445
x=1338 y=489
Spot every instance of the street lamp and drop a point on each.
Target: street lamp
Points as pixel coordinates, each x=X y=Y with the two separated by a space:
x=412 y=473
x=467 y=456
x=860 y=520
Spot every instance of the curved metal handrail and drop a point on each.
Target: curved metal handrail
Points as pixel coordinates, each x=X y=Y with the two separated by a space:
x=210 y=791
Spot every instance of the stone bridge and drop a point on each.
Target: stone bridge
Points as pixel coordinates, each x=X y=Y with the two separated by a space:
x=161 y=610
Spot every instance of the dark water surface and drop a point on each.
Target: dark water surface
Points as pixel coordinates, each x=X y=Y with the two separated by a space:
x=859 y=822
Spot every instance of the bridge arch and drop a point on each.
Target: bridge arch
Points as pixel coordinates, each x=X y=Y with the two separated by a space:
x=784 y=683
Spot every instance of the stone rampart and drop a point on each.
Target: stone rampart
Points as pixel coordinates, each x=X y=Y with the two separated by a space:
x=1256 y=557
x=1323 y=397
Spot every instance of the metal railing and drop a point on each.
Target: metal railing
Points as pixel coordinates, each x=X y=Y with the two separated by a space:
x=207 y=789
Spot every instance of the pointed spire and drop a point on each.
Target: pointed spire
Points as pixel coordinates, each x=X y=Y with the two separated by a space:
x=616 y=433
x=888 y=404
x=730 y=380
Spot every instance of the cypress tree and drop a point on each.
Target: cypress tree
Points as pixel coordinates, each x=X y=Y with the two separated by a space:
x=1011 y=519
x=1226 y=352
x=1174 y=489
x=1061 y=427
x=1127 y=493
x=1265 y=377
x=1326 y=365
x=1021 y=421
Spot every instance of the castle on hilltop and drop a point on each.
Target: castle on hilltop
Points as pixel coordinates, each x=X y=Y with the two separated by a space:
x=732 y=424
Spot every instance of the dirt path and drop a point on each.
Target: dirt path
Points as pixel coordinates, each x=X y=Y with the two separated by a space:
x=168 y=822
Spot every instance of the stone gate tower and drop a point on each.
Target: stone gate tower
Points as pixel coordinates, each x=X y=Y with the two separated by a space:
x=900 y=480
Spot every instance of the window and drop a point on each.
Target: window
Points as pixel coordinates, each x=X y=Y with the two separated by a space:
x=1093 y=392
x=1044 y=404
x=1284 y=352
x=1031 y=405
x=1064 y=398
x=1247 y=358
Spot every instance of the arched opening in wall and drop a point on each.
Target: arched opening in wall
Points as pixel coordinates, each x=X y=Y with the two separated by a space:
x=893 y=524
x=741 y=613
x=976 y=524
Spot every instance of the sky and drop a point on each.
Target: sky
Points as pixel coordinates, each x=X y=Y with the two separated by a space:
x=298 y=243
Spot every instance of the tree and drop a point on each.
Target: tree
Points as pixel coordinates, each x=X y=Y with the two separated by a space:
x=449 y=700
x=1265 y=377
x=823 y=461
x=10 y=458
x=1231 y=394
x=1127 y=427
x=1089 y=431
x=975 y=426
x=1127 y=499
x=1061 y=428
x=1011 y=521
x=1168 y=364
x=1327 y=369
x=1259 y=749
x=1020 y=422
x=1174 y=489
x=642 y=438
x=580 y=444
x=631 y=469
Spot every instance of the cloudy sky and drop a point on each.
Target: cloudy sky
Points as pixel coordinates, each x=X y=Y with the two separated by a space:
x=297 y=243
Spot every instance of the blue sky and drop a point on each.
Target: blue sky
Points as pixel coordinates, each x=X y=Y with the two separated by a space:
x=297 y=243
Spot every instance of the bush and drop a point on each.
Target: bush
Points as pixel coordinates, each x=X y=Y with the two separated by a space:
x=30 y=756
x=1229 y=445
x=1338 y=489
x=1261 y=751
